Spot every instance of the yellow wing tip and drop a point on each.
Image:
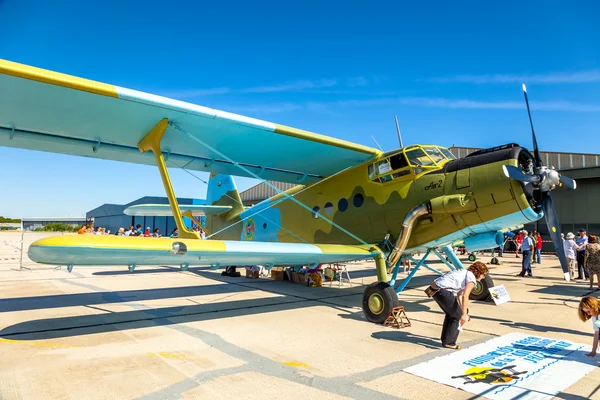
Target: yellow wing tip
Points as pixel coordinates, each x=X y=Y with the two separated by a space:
x=56 y=78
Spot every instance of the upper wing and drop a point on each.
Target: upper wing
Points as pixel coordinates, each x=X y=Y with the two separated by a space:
x=161 y=210
x=49 y=111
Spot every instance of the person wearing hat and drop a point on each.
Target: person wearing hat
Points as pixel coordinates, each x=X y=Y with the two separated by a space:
x=571 y=252
x=582 y=242
x=527 y=247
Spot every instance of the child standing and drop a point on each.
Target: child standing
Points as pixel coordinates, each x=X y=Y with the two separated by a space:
x=589 y=307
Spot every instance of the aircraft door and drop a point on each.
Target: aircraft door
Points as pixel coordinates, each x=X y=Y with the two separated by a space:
x=463 y=174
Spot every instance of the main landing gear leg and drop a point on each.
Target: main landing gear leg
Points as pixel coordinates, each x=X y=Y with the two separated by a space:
x=379 y=297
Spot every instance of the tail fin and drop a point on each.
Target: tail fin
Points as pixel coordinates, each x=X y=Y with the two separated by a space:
x=223 y=192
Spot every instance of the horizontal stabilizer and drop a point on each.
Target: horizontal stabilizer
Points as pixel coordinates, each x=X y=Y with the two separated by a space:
x=164 y=210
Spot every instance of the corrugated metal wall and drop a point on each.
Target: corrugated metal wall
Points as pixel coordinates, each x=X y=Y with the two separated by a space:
x=558 y=160
x=260 y=192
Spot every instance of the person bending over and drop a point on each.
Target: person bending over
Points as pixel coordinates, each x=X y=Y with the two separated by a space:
x=451 y=291
x=589 y=307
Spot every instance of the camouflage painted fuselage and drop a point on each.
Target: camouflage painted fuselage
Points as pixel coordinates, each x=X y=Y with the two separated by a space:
x=371 y=209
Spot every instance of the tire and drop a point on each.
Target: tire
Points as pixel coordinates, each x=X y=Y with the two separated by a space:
x=482 y=290
x=494 y=261
x=472 y=257
x=379 y=299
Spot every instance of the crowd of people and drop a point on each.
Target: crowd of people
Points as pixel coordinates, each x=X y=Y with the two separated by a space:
x=583 y=256
x=136 y=231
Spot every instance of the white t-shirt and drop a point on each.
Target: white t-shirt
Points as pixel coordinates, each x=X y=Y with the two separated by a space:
x=596 y=323
x=455 y=281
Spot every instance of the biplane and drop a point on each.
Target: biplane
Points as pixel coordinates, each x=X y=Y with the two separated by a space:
x=351 y=202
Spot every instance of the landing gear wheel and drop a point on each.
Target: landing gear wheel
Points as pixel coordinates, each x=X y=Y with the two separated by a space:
x=70 y=268
x=131 y=268
x=379 y=299
x=472 y=257
x=184 y=267
x=481 y=291
x=494 y=261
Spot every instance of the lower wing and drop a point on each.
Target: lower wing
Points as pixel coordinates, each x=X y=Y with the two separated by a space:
x=124 y=250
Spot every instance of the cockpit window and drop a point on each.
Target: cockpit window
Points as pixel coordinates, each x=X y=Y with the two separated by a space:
x=398 y=161
x=410 y=161
x=418 y=158
x=434 y=153
x=448 y=154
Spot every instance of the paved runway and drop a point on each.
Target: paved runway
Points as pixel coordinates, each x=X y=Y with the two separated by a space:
x=159 y=333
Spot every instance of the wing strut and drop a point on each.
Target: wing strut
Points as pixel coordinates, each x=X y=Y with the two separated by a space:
x=151 y=142
x=277 y=190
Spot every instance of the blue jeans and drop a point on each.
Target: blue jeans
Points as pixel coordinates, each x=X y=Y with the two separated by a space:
x=538 y=254
x=526 y=267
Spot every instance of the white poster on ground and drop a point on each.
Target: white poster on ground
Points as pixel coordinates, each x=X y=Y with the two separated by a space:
x=511 y=366
x=499 y=294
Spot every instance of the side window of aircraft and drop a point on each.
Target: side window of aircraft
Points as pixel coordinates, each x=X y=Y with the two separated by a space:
x=398 y=161
x=328 y=208
x=315 y=211
x=343 y=204
x=358 y=200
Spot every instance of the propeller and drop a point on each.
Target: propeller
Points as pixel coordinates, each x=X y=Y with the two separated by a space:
x=541 y=183
x=536 y=151
x=554 y=229
x=519 y=175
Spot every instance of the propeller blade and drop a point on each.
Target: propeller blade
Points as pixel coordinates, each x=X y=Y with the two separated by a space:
x=554 y=229
x=519 y=175
x=536 y=152
x=568 y=183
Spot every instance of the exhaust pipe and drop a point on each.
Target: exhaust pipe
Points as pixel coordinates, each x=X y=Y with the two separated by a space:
x=407 y=225
x=448 y=204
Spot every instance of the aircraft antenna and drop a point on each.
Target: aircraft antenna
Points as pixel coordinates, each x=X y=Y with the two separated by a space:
x=376 y=142
x=398 y=131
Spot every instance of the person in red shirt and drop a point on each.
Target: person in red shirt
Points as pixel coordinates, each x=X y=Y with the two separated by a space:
x=519 y=240
x=538 y=248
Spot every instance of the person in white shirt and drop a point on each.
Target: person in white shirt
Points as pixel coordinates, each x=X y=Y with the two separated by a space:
x=571 y=252
x=459 y=282
x=589 y=308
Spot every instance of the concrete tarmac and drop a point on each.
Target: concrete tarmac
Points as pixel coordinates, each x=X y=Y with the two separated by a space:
x=160 y=333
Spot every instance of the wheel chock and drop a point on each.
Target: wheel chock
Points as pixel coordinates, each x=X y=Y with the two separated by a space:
x=397 y=318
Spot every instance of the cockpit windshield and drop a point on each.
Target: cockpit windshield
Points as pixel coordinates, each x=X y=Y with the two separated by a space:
x=409 y=161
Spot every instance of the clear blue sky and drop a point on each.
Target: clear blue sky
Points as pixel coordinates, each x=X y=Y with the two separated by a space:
x=451 y=71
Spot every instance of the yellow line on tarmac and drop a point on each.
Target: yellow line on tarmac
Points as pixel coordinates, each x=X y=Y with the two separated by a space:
x=295 y=364
x=40 y=344
x=175 y=356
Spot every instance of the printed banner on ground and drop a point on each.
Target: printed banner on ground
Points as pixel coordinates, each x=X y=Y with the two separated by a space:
x=511 y=366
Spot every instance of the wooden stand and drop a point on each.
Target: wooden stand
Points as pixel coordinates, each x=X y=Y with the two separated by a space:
x=397 y=318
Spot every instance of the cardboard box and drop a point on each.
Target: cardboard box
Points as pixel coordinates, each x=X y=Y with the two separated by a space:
x=252 y=274
x=277 y=273
x=301 y=278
